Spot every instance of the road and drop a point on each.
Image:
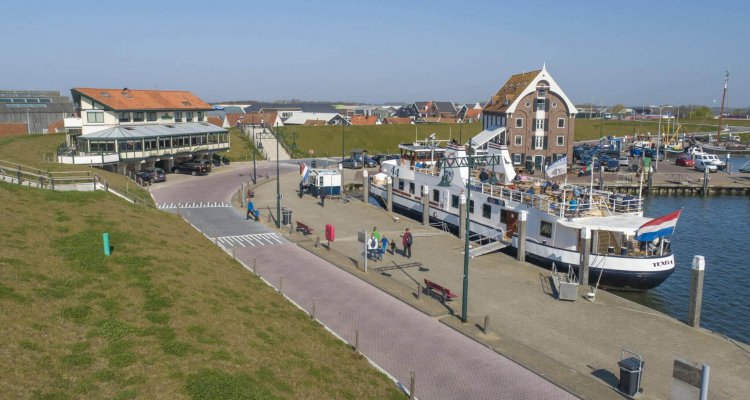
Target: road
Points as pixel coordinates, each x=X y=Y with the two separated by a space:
x=398 y=338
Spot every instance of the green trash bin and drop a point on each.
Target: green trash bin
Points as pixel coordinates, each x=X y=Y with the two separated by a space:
x=286 y=216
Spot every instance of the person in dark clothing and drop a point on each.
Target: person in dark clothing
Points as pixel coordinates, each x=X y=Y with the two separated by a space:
x=322 y=199
x=407 y=240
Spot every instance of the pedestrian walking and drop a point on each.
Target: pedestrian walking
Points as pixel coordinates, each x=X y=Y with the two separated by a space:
x=372 y=248
x=407 y=240
x=250 y=209
x=383 y=247
x=322 y=199
x=376 y=233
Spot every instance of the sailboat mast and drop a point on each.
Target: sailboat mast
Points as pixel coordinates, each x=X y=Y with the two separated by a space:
x=721 y=113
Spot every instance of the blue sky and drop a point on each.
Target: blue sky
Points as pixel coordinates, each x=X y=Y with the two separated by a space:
x=635 y=52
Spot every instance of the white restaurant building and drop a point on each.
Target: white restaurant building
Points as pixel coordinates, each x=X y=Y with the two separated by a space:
x=125 y=130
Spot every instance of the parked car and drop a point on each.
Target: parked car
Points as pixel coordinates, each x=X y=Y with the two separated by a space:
x=385 y=157
x=624 y=161
x=612 y=165
x=703 y=164
x=192 y=168
x=654 y=155
x=685 y=161
x=152 y=175
x=205 y=162
x=351 y=163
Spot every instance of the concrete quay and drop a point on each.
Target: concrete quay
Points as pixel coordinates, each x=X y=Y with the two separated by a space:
x=576 y=345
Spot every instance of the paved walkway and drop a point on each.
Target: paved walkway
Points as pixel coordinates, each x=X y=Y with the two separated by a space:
x=396 y=336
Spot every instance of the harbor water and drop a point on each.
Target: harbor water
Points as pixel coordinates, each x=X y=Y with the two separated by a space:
x=717 y=228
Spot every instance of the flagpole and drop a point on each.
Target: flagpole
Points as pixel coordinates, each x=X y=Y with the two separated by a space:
x=591 y=188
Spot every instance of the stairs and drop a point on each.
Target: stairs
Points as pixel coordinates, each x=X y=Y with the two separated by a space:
x=269 y=148
x=486 y=249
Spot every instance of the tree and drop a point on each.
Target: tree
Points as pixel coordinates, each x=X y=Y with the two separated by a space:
x=618 y=108
x=701 y=112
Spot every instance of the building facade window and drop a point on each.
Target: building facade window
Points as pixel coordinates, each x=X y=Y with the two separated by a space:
x=519 y=122
x=189 y=116
x=540 y=104
x=516 y=159
x=538 y=142
x=138 y=116
x=200 y=115
x=123 y=117
x=527 y=104
x=151 y=116
x=561 y=140
x=518 y=140
x=561 y=122
x=539 y=124
x=95 y=117
x=178 y=116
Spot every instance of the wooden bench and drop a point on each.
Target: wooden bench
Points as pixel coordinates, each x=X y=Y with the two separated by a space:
x=305 y=229
x=444 y=292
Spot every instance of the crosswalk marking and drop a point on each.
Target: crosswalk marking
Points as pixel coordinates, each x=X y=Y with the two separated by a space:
x=252 y=240
x=206 y=204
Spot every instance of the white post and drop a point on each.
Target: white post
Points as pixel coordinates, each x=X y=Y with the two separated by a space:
x=521 y=256
x=366 y=186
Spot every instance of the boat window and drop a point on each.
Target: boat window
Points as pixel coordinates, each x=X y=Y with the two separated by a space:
x=401 y=184
x=503 y=216
x=545 y=229
x=486 y=211
x=471 y=207
x=435 y=195
x=454 y=201
x=411 y=187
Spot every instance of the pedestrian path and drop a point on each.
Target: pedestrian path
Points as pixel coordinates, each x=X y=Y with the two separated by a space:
x=257 y=239
x=207 y=204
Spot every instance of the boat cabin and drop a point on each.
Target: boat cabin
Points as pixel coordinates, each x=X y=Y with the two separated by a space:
x=325 y=181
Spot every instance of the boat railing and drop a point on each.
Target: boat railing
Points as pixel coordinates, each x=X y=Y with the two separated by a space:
x=430 y=170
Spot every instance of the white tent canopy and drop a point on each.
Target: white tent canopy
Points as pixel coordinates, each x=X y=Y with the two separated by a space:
x=626 y=224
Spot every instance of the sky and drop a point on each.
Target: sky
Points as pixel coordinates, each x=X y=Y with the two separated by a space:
x=605 y=52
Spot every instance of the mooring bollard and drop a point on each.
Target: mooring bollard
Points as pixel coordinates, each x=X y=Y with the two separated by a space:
x=705 y=180
x=696 y=291
x=356 y=340
x=281 y=285
x=419 y=291
x=254 y=266
x=233 y=256
x=317 y=241
x=486 y=324
x=312 y=315
x=413 y=386
x=105 y=242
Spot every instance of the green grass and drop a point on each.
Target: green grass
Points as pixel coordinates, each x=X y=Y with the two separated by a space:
x=241 y=148
x=175 y=320
x=40 y=151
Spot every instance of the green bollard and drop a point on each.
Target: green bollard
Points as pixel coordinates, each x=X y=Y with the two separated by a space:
x=105 y=240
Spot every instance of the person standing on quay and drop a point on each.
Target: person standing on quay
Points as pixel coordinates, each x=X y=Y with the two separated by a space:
x=376 y=233
x=406 y=240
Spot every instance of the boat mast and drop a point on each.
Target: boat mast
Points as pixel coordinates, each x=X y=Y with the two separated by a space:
x=721 y=113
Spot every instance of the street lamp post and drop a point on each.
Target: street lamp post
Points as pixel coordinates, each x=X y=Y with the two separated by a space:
x=465 y=294
x=343 y=126
x=264 y=135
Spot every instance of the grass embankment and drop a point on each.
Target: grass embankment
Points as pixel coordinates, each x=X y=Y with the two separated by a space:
x=326 y=140
x=40 y=151
x=241 y=148
x=167 y=316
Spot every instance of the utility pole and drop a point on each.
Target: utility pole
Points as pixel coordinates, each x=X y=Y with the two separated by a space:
x=465 y=293
x=343 y=127
x=278 y=180
x=721 y=112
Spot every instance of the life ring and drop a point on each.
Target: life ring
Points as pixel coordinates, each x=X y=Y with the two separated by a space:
x=434 y=214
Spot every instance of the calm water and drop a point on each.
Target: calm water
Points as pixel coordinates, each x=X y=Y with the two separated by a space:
x=717 y=228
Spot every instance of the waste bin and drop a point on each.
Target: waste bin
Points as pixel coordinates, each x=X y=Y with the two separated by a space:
x=286 y=216
x=623 y=251
x=630 y=375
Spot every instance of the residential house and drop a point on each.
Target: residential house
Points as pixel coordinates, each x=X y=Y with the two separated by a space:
x=126 y=130
x=300 y=117
x=472 y=115
x=398 y=121
x=533 y=117
x=407 y=111
x=13 y=129
x=286 y=110
x=37 y=109
x=365 y=120
x=435 y=109
x=215 y=120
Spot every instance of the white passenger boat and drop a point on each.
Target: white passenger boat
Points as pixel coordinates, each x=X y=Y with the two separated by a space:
x=554 y=225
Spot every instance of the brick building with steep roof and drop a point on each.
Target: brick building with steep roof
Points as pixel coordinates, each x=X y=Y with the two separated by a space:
x=533 y=117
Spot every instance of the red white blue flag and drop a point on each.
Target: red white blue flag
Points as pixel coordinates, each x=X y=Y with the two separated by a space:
x=658 y=227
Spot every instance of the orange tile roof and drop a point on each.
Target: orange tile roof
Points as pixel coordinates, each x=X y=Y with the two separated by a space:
x=57 y=126
x=232 y=119
x=268 y=118
x=132 y=99
x=13 y=129
x=364 y=120
x=216 y=121
x=397 y=120
x=510 y=91
x=473 y=113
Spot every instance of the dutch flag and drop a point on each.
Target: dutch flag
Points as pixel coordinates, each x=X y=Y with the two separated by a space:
x=304 y=171
x=658 y=227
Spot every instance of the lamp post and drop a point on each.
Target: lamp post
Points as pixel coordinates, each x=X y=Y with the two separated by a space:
x=343 y=126
x=658 y=137
x=264 y=135
x=465 y=293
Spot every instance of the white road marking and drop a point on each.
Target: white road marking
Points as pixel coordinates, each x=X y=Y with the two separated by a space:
x=193 y=205
x=255 y=239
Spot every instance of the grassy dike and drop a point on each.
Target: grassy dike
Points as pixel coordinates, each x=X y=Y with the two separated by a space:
x=167 y=316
